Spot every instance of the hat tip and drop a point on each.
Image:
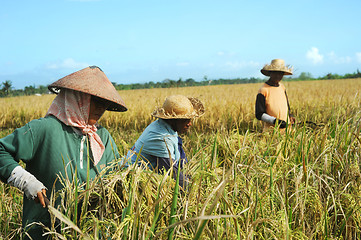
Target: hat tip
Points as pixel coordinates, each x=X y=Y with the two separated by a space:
x=95 y=67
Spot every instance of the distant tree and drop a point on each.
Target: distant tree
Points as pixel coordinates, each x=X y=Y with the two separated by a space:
x=7 y=86
x=190 y=82
x=29 y=90
x=357 y=74
x=179 y=82
x=151 y=84
x=166 y=83
x=332 y=76
x=305 y=76
x=43 y=89
x=172 y=83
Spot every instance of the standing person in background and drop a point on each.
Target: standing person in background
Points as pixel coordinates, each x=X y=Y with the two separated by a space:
x=272 y=106
x=68 y=138
x=160 y=147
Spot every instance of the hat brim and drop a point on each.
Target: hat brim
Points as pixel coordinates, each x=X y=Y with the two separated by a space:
x=113 y=106
x=267 y=72
x=92 y=81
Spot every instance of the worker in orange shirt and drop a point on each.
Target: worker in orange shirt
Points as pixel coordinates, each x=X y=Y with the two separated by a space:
x=272 y=106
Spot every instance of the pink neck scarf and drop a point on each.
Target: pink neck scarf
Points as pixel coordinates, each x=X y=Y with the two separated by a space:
x=72 y=108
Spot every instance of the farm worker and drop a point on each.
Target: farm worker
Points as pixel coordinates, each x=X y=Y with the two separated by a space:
x=272 y=106
x=67 y=140
x=160 y=146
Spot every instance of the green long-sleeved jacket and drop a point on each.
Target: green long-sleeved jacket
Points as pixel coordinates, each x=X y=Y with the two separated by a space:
x=48 y=147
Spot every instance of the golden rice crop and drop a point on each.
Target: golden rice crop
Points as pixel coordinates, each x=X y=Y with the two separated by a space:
x=304 y=184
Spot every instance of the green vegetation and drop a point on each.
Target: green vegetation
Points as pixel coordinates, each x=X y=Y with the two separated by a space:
x=169 y=83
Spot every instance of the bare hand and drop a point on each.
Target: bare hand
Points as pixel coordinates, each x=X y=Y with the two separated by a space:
x=41 y=198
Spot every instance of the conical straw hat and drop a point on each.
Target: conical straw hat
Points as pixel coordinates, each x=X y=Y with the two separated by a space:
x=179 y=107
x=91 y=80
x=277 y=65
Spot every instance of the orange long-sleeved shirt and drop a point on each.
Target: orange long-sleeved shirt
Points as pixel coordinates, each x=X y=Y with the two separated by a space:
x=273 y=101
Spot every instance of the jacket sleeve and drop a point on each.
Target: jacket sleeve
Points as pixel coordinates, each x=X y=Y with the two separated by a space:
x=111 y=154
x=159 y=147
x=164 y=164
x=260 y=105
x=110 y=144
x=16 y=146
x=183 y=157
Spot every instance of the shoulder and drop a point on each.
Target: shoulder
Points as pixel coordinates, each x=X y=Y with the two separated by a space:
x=101 y=129
x=38 y=129
x=103 y=132
x=47 y=128
x=282 y=86
x=156 y=135
x=264 y=89
x=46 y=123
x=157 y=128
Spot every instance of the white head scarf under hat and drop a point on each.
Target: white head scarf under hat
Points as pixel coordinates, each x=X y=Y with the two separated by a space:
x=72 y=108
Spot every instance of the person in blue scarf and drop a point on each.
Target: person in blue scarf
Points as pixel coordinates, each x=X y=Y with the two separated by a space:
x=160 y=147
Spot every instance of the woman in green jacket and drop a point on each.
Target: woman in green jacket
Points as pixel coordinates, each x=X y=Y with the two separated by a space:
x=57 y=144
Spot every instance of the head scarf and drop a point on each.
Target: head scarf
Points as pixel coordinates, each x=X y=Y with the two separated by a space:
x=72 y=108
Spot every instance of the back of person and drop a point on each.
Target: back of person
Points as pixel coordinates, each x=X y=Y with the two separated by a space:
x=275 y=101
x=160 y=146
x=157 y=140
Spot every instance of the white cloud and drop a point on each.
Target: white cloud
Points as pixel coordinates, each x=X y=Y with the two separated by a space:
x=67 y=63
x=358 y=57
x=241 y=64
x=339 y=60
x=314 y=55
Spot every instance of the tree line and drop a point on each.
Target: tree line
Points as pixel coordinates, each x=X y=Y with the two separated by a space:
x=7 y=90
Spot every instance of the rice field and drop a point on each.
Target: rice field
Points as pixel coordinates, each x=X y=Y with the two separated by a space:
x=245 y=184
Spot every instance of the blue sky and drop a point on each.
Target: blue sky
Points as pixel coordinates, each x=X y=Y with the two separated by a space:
x=141 y=41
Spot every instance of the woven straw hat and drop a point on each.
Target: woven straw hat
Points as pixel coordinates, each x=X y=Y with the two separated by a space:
x=277 y=65
x=179 y=107
x=91 y=80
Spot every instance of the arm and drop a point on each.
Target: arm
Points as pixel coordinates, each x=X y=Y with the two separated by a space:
x=26 y=182
x=260 y=106
x=183 y=157
x=164 y=164
x=111 y=150
x=19 y=145
x=263 y=116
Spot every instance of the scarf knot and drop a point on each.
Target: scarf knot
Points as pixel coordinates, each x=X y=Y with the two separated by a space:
x=89 y=129
x=72 y=108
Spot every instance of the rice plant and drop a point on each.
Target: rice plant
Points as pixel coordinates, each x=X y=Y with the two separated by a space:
x=245 y=183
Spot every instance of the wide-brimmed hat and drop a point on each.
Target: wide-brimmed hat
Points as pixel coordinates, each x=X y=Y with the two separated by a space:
x=91 y=80
x=179 y=107
x=277 y=65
